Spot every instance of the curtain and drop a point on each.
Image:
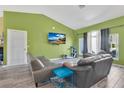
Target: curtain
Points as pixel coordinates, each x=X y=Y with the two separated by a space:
x=105 y=40
x=85 y=50
x=89 y=42
x=99 y=40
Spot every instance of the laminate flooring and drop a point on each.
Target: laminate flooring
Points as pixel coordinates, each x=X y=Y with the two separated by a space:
x=20 y=77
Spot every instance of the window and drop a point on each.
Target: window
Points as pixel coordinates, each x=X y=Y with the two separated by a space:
x=94 y=41
x=80 y=46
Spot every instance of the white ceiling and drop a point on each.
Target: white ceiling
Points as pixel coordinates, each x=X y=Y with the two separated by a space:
x=71 y=15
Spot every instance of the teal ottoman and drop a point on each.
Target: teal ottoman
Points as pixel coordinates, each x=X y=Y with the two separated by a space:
x=62 y=73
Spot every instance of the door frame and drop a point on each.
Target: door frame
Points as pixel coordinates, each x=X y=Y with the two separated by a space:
x=8 y=48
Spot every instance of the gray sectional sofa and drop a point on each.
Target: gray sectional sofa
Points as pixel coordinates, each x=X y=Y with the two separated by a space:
x=92 y=70
x=88 y=75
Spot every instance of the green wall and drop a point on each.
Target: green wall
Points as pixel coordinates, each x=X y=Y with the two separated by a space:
x=107 y=24
x=38 y=26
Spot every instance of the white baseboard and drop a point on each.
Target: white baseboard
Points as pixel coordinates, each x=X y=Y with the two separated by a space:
x=55 y=59
x=122 y=66
x=12 y=66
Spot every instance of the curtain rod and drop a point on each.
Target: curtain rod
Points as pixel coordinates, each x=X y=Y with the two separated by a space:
x=108 y=27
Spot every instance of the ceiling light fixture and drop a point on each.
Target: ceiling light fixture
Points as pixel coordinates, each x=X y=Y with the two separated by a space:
x=81 y=6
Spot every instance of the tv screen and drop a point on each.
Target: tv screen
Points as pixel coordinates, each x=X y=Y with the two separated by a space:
x=56 y=38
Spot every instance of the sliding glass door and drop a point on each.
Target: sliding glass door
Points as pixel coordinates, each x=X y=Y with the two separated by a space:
x=114 y=45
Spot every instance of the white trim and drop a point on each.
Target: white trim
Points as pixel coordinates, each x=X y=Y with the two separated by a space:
x=11 y=66
x=52 y=59
x=122 y=66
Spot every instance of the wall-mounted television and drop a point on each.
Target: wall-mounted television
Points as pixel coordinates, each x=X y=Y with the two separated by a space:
x=56 y=38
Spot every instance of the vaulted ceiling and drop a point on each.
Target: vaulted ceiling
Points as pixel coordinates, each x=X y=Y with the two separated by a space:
x=73 y=16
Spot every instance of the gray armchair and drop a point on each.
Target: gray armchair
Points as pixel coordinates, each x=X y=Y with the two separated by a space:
x=40 y=73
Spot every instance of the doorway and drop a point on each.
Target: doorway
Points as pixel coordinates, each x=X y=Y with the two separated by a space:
x=16 y=47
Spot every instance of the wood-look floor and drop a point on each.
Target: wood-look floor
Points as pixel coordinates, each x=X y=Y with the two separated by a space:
x=20 y=77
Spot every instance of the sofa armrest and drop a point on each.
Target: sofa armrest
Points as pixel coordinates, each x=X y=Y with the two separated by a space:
x=42 y=75
x=36 y=65
x=82 y=76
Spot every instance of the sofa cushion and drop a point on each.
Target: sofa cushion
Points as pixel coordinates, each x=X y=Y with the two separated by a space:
x=106 y=55
x=101 y=52
x=48 y=63
x=88 y=55
x=88 y=61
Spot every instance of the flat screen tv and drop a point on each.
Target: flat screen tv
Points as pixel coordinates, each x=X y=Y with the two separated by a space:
x=56 y=38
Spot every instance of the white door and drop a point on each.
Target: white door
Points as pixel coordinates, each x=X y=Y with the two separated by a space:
x=16 y=47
